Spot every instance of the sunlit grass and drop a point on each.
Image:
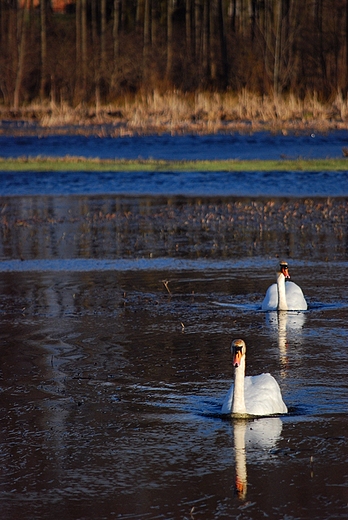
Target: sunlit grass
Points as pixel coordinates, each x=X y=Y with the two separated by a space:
x=83 y=164
x=200 y=112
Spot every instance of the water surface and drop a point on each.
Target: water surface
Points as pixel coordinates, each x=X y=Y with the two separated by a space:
x=117 y=312
x=260 y=145
x=257 y=145
x=111 y=392
x=177 y=183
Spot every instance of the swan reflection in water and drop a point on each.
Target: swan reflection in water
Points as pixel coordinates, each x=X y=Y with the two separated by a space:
x=285 y=327
x=252 y=437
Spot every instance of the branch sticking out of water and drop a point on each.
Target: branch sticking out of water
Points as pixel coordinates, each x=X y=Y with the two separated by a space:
x=165 y=283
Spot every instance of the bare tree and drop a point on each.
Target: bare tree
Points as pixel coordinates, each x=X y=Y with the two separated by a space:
x=278 y=47
x=103 y=36
x=268 y=46
x=147 y=41
x=221 y=37
x=22 y=21
x=84 y=56
x=205 y=40
x=170 y=51
x=78 y=43
x=116 y=40
x=198 y=30
x=43 y=19
x=188 y=28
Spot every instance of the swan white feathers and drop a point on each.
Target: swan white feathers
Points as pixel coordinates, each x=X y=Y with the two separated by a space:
x=251 y=395
x=284 y=295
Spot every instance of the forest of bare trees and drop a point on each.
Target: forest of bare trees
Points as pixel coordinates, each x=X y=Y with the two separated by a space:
x=93 y=51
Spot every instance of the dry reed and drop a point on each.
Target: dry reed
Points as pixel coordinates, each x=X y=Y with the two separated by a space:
x=201 y=112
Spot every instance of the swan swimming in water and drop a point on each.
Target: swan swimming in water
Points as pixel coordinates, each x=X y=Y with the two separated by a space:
x=251 y=395
x=283 y=296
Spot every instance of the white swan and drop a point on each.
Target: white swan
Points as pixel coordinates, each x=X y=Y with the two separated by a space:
x=251 y=395
x=283 y=296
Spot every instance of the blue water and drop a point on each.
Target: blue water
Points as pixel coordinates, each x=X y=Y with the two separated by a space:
x=292 y=184
x=261 y=145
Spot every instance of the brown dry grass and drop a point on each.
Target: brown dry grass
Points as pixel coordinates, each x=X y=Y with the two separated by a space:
x=202 y=112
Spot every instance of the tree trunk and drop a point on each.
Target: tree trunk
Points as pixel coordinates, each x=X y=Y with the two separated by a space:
x=266 y=28
x=103 y=38
x=97 y=62
x=147 y=41
x=242 y=18
x=22 y=22
x=319 y=24
x=188 y=29
x=278 y=49
x=116 y=40
x=78 y=45
x=223 y=44
x=43 y=20
x=205 y=40
x=170 y=39
x=3 y=24
x=198 y=30
x=253 y=19
x=212 y=42
x=154 y=24
x=84 y=46
x=139 y=15
x=232 y=13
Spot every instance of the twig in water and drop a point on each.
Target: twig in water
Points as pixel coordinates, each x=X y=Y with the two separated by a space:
x=165 y=283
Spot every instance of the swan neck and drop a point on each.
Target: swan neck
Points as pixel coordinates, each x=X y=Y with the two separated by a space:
x=282 y=304
x=238 y=404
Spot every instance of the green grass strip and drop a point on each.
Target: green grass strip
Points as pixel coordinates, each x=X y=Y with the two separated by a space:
x=68 y=163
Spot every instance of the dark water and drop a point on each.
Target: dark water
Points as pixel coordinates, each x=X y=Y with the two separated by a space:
x=111 y=390
x=116 y=317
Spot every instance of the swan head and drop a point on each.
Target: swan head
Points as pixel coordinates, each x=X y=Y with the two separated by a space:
x=284 y=269
x=238 y=350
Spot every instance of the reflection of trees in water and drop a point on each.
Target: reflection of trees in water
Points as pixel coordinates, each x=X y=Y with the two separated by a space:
x=65 y=227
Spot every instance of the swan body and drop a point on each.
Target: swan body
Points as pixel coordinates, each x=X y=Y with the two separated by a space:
x=284 y=295
x=251 y=395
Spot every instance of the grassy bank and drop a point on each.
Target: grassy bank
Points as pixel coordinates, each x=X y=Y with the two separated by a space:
x=82 y=164
x=176 y=112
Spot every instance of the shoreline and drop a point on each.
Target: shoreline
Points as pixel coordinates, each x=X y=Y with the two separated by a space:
x=178 y=113
x=108 y=127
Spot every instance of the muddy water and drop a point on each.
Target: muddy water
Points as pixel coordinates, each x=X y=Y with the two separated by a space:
x=116 y=317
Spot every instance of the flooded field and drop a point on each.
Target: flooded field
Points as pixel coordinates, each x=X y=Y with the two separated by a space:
x=116 y=317
x=247 y=145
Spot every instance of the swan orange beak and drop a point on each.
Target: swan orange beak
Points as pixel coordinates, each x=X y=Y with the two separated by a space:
x=285 y=272
x=237 y=356
x=240 y=487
